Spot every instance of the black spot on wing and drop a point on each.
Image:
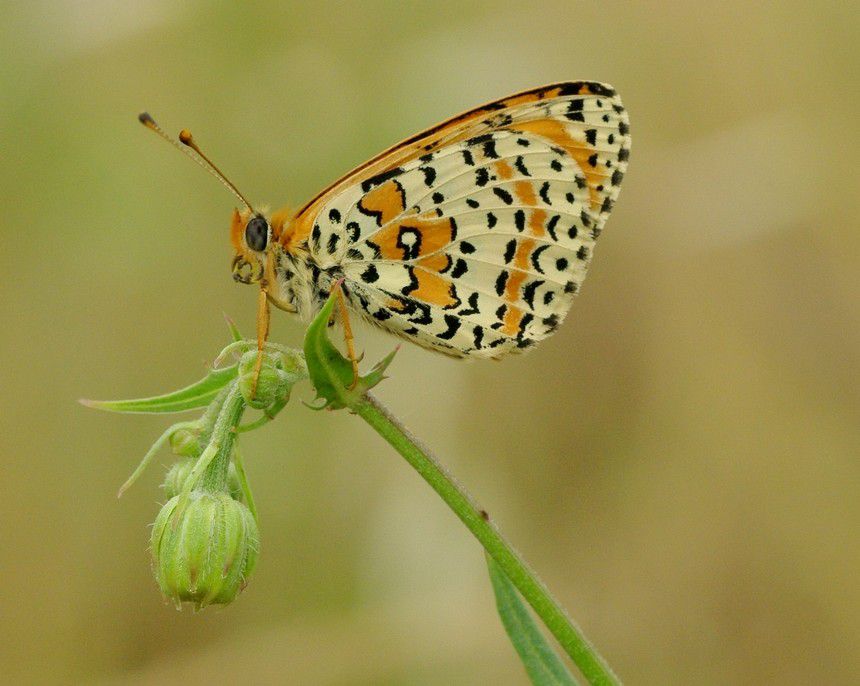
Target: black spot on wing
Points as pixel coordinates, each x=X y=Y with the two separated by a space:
x=535 y=257
x=478 y=333
x=453 y=323
x=473 y=306
x=501 y=281
x=550 y=226
x=370 y=274
x=520 y=166
x=353 y=231
x=489 y=150
x=520 y=220
x=529 y=292
x=460 y=268
x=479 y=140
x=544 y=193
x=331 y=244
x=380 y=178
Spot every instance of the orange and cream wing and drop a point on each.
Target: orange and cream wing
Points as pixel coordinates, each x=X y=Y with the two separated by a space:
x=473 y=238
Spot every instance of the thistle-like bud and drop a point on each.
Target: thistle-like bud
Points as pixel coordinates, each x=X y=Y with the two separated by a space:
x=177 y=475
x=278 y=373
x=204 y=550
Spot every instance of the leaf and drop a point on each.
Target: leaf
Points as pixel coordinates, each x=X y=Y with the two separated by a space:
x=234 y=330
x=330 y=372
x=191 y=397
x=543 y=665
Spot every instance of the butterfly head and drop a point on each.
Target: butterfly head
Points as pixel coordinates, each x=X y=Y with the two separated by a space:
x=251 y=236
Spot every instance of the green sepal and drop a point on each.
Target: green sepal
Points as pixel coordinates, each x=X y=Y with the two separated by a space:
x=191 y=397
x=543 y=666
x=235 y=334
x=330 y=372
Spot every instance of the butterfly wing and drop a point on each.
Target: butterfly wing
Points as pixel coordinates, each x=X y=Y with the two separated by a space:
x=473 y=237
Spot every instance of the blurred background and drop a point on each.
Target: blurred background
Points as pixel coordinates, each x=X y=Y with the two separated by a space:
x=679 y=462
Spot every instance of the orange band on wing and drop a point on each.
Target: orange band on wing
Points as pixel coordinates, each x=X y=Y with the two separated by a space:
x=434 y=289
x=582 y=152
x=503 y=169
x=537 y=223
x=513 y=317
x=386 y=201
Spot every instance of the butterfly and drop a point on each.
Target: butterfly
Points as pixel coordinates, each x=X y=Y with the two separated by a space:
x=470 y=238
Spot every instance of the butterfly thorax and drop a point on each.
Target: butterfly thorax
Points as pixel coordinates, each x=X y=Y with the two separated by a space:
x=297 y=283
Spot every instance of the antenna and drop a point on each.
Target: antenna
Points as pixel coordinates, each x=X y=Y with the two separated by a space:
x=187 y=140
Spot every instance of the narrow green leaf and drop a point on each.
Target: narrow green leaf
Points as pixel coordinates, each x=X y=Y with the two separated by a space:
x=191 y=397
x=541 y=662
x=144 y=463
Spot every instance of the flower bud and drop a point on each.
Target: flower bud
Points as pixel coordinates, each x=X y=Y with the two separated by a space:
x=278 y=373
x=176 y=476
x=184 y=442
x=204 y=552
x=269 y=386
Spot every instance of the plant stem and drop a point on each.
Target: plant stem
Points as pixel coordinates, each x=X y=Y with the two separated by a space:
x=571 y=638
x=224 y=436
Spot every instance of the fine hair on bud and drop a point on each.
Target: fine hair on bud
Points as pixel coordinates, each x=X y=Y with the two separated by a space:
x=204 y=549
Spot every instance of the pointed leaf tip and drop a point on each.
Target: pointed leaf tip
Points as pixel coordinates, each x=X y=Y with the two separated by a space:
x=235 y=334
x=330 y=372
x=192 y=397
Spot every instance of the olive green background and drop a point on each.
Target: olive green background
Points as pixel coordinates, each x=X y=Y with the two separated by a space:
x=679 y=462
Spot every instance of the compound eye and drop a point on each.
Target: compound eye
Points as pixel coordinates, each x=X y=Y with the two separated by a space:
x=257 y=233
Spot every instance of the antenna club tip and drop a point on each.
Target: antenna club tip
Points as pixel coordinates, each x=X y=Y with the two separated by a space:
x=185 y=137
x=145 y=119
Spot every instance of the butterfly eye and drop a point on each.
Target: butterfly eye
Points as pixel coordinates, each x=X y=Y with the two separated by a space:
x=257 y=233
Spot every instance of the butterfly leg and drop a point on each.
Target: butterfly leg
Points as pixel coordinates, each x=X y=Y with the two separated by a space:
x=347 y=335
x=263 y=314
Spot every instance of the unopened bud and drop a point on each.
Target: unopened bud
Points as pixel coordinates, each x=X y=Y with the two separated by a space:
x=184 y=442
x=204 y=552
x=278 y=373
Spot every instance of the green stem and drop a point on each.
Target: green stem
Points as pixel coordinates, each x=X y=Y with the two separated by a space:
x=571 y=638
x=215 y=476
x=243 y=480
